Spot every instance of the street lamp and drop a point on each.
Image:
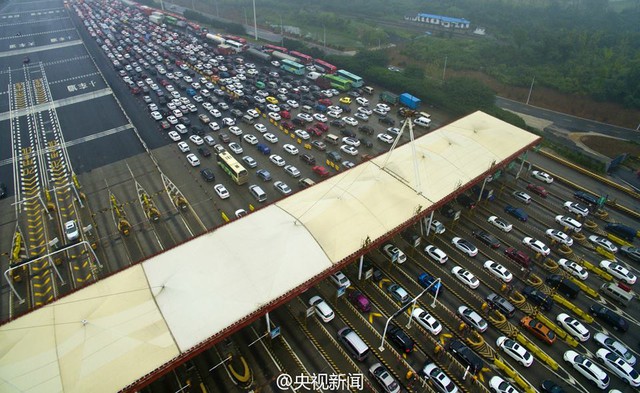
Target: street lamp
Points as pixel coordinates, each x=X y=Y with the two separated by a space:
x=406 y=306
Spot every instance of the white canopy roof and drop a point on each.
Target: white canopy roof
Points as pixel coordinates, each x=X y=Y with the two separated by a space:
x=106 y=336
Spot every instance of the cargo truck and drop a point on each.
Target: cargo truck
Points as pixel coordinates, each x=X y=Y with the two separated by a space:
x=258 y=54
x=389 y=97
x=409 y=101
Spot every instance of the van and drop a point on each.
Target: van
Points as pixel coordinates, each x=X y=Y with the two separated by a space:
x=272 y=84
x=501 y=304
x=333 y=139
x=305 y=182
x=422 y=122
x=616 y=293
x=306 y=109
x=264 y=149
x=354 y=344
x=248 y=119
x=368 y=90
x=258 y=193
x=424 y=114
x=563 y=286
x=623 y=231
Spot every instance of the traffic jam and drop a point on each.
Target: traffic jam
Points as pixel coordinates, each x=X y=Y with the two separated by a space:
x=521 y=283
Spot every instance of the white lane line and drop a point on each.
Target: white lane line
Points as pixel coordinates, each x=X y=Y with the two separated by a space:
x=33 y=21
x=78 y=141
x=58 y=103
x=36 y=34
x=33 y=49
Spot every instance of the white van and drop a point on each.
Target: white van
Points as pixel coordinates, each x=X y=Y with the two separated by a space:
x=306 y=109
x=258 y=193
x=368 y=90
x=354 y=344
x=616 y=293
x=436 y=226
x=333 y=139
x=422 y=122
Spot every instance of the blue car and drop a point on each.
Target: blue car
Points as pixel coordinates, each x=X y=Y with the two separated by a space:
x=425 y=279
x=516 y=212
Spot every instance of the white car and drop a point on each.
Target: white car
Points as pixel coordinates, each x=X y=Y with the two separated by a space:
x=615 y=346
x=349 y=150
x=573 y=327
x=427 y=321
x=542 y=176
x=193 y=160
x=604 y=243
x=282 y=187
x=156 y=115
x=365 y=111
x=334 y=114
x=184 y=147
x=302 y=134
x=522 y=197
x=250 y=139
x=235 y=130
x=293 y=103
x=215 y=112
x=573 y=268
x=390 y=250
x=500 y=385
x=340 y=280
x=181 y=128
x=292 y=171
x=172 y=119
x=587 y=368
x=576 y=208
x=618 y=271
x=361 y=116
x=382 y=376
x=436 y=254
x=334 y=108
x=236 y=148
x=351 y=141
x=196 y=140
x=618 y=366
x=269 y=137
x=221 y=190
x=500 y=223
x=385 y=138
x=383 y=107
x=227 y=121
x=466 y=277
x=320 y=117
x=71 y=230
x=569 y=223
x=253 y=113
x=515 y=350
x=498 y=270
x=439 y=379
x=291 y=149
x=260 y=127
x=251 y=163
x=536 y=245
x=350 y=121
x=362 y=101
x=465 y=246
x=322 y=309
x=559 y=236
x=174 y=136
x=276 y=159
x=305 y=116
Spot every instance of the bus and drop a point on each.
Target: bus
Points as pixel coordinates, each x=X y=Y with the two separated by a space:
x=270 y=47
x=235 y=38
x=325 y=67
x=356 y=81
x=292 y=67
x=233 y=168
x=338 y=82
x=302 y=58
x=235 y=45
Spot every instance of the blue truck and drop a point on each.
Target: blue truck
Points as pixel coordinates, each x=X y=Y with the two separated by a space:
x=410 y=101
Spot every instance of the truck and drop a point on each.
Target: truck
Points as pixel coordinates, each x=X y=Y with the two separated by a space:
x=313 y=75
x=323 y=83
x=389 y=97
x=156 y=19
x=258 y=54
x=283 y=56
x=215 y=38
x=224 y=49
x=409 y=101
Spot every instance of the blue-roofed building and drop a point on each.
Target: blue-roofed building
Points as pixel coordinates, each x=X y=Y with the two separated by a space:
x=443 y=21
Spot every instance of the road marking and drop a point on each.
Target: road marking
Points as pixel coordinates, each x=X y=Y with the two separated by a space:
x=35 y=34
x=33 y=21
x=17 y=52
x=57 y=103
x=373 y=315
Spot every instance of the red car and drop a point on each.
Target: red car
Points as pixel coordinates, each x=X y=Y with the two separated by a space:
x=518 y=256
x=538 y=190
x=165 y=125
x=314 y=131
x=285 y=115
x=324 y=101
x=287 y=126
x=322 y=127
x=320 y=170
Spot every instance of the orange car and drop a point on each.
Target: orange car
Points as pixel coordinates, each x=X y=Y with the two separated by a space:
x=538 y=329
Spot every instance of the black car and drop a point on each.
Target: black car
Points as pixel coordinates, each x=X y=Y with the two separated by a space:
x=538 y=298
x=549 y=386
x=3 y=190
x=207 y=174
x=400 y=339
x=486 y=238
x=501 y=304
x=185 y=120
x=308 y=159
x=204 y=152
x=632 y=252
x=586 y=198
x=338 y=123
x=197 y=130
x=387 y=120
x=345 y=108
x=366 y=142
x=447 y=211
x=334 y=156
x=466 y=356
x=298 y=121
x=610 y=317
x=366 y=130
x=348 y=133
x=466 y=201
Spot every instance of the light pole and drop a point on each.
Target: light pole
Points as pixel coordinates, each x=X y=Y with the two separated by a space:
x=433 y=304
x=255 y=21
x=531 y=89
x=444 y=69
x=406 y=306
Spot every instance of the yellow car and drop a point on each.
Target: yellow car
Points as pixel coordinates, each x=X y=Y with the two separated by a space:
x=272 y=100
x=345 y=100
